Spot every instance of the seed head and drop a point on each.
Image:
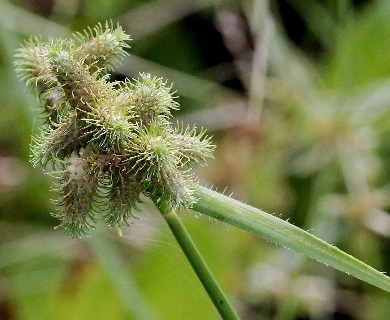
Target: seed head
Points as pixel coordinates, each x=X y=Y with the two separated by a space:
x=106 y=143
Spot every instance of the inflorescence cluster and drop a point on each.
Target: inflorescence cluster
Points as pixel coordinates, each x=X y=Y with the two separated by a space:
x=106 y=143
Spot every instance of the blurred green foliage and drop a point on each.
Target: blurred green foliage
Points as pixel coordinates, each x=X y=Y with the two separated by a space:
x=297 y=96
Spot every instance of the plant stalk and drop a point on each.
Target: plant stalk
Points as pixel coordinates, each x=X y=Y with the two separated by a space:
x=198 y=264
x=281 y=232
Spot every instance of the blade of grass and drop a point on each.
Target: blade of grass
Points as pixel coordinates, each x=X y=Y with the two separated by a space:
x=278 y=231
x=107 y=256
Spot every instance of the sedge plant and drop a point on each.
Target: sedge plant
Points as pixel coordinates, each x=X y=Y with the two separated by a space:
x=107 y=143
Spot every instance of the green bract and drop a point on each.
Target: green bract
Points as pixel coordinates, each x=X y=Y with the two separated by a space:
x=106 y=142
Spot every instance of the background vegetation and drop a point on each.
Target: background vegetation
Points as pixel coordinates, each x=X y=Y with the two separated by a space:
x=297 y=96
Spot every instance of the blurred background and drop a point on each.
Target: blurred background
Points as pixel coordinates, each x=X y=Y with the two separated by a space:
x=297 y=97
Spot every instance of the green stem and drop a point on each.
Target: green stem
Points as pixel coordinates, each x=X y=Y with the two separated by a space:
x=198 y=264
x=281 y=232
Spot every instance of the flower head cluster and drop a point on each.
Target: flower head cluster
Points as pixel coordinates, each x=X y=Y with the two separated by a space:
x=106 y=142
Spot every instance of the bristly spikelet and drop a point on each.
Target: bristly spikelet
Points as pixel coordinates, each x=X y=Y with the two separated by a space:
x=112 y=142
x=111 y=123
x=157 y=158
x=34 y=67
x=76 y=190
x=153 y=99
x=192 y=146
x=124 y=195
x=173 y=185
x=102 y=47
x=56 y=143
x=150 y=150
x=83 y=90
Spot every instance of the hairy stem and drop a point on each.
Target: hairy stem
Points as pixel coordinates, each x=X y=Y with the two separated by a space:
x=278 y=231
